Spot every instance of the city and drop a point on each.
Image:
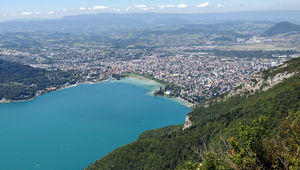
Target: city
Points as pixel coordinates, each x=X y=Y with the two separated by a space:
x=199 y=67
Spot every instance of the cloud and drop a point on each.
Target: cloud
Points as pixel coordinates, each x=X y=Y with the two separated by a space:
x=116 y=10
x=182 y=6
x=206 y=4
x=65 y=9
x=167 y=6
x=51 y=12
x=37 y=13
x=99 y=7
x=220 y=5
x=173 y=6
x=82 y=8
x=26 y=13
x=139 y=7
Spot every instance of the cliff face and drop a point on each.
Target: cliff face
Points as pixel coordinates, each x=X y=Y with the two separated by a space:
x=259 y=83
x=188 y=123
x=262 y=81
x=267 y=79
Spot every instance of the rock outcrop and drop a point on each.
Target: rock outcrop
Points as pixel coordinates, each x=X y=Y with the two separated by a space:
x=188 y=123
x=259 y=83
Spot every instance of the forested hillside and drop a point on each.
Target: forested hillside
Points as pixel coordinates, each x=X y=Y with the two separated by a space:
x=282 y=27
x=248 y=130
x=20 y=82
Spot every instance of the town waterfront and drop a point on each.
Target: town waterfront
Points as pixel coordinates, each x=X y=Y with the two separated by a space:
x=71 y=128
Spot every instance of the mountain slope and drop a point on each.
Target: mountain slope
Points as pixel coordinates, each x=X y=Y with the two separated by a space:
x=280 y=28
x=168 y=147
x=21 y=82
x=111 y=22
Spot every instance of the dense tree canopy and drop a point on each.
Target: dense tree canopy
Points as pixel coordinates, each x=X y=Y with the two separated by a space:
x=21 y=82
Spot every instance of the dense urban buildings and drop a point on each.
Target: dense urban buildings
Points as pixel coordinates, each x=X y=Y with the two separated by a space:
x=200 y=63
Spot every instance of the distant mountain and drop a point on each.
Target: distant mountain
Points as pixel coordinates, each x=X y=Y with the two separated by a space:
x=272 y=96
x=111 y=22
x=280 y=28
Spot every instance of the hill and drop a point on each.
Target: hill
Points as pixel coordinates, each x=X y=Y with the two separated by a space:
x=272 y=95
x=280 y=28
x=113 y=22
x=21 y=82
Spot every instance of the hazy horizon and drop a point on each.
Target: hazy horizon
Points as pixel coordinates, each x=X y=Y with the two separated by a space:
x=17 y=9
x=154 y=13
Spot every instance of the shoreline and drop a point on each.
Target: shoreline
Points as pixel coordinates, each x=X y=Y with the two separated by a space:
x=179 y=100
x=151 y=82
x=5 y=101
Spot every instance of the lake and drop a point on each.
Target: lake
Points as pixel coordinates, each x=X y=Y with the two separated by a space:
x=71 y=128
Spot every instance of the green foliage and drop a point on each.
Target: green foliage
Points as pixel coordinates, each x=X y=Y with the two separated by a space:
x=252 y=149
x=293 y=66
x=119 y=76
x=189 y=165
x=160 y=81
x=160 y=92
x=283 y=151
x=253 y=133
x=211 y=161
x=236 y=117
x=248 y=151
x=20 y=82
x=162 y=132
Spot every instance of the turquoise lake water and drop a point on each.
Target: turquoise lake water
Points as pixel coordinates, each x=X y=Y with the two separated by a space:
x=70 y=128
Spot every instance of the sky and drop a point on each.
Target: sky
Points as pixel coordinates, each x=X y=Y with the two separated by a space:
x=20 y=9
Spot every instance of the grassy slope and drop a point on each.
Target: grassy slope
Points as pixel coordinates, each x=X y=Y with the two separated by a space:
x=168 y=147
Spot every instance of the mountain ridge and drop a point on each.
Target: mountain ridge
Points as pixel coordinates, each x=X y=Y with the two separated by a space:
x=106 y=22
x=170 y=147
x=280 y=28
